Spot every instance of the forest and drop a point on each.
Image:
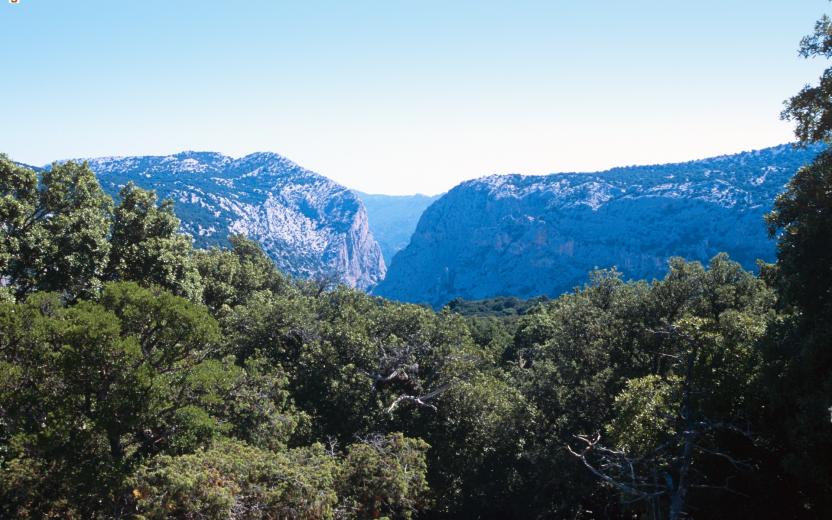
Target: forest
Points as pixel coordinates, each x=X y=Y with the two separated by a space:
x=143 y=378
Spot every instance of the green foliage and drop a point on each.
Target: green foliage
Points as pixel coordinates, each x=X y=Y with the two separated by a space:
x=54 y=229
x=19 y=191
x=147 y=246
x=797 y=380
x=141 y=377
x=479 y=436
x=231 y=276
x=496 y=307
x=93 y=389
x=811 y=107
x=611 y=359
x=234 y=480
x=800 y=221
x=384 y=476
x=642 y=414
x=96 y=384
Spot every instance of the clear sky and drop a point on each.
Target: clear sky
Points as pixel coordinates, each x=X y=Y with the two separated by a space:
x=397 y=96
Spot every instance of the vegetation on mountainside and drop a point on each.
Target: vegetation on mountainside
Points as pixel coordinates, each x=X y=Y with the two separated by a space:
x=142 y=378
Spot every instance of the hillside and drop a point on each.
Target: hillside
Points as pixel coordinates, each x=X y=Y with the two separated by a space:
x=309 y=225
x=524 y=236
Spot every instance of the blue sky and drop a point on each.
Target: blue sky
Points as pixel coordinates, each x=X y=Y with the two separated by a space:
x=403 y=96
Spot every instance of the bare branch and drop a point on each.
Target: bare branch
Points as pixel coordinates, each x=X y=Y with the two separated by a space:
x=592 y=444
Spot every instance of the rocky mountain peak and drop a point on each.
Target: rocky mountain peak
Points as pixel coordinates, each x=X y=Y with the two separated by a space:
x=310 y=225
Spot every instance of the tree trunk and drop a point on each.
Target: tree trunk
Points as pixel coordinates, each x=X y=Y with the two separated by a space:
x=116 y=449
x=677 y=499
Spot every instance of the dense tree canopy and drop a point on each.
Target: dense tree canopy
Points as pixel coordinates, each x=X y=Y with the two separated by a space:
x=798 y=351
x=55 y=229
x=147 y=245
x=161 y=381
x=140 y=378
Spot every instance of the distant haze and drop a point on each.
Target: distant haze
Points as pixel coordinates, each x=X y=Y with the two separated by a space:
x=403 y=97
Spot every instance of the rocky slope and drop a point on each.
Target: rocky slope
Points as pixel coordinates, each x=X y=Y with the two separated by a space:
x=516 y=235
x=393 y=219
x=308 y=224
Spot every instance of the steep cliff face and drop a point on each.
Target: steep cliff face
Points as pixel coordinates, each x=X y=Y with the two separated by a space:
x=525 y=236
x=308 y=224
x=393 y=219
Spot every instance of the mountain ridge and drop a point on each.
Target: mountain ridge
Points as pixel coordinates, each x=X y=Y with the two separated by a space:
x=308 y=224
x=532 y=235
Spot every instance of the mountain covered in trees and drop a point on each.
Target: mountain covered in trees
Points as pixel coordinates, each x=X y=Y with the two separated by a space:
x=309 y=225
x=524 y=236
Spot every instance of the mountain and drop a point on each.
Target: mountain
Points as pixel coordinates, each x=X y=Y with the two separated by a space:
x=393 y=219
x=524 y=236
x=308 y=224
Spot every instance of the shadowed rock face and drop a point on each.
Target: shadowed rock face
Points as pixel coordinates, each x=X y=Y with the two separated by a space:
x=525 y=236
x=393 y=219
x=308 y=224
